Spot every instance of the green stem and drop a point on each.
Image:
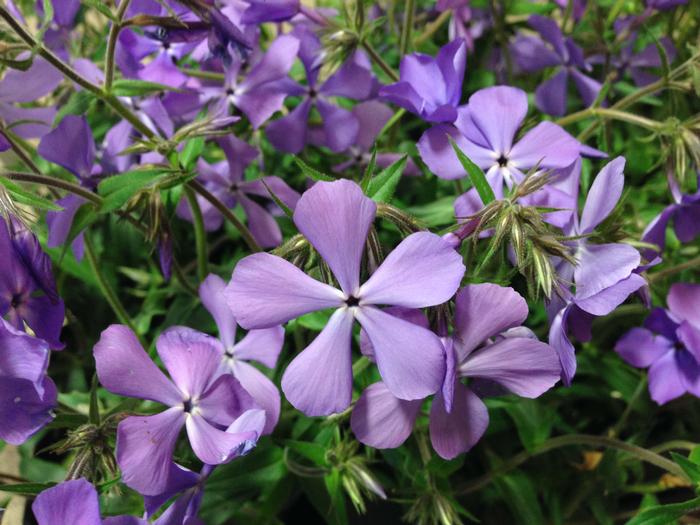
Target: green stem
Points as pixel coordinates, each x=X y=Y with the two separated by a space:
x=377 y=59
x=242 y=229
x=574 y=439
x=112 y=43
x=408 y=16
x=433 y=26
x=617 y=428
x=609 y=113
x=52 y=182
x=104 y=286
x=687 y=265
x=200 y=235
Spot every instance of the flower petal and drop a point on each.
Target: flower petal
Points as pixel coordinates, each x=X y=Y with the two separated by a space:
x=456 y=432
x=498 y=112
x=666 y=380
x=550 y=95
x=604 y=195
x=263 y=346
x=124 y=368
x=684 y=302
x=70 y=145
x=641 y=348
x=409 y=275
x=24 y=408
x=547 y=144
x=75 y=502
x=224 y=401
x=381 y=420
x=211 y=293
x=318 y=381
x=335 y=217
x=214 y=446
x=265 y=291
x=610 y=298
x=410 y=359
x=263 y=391
x=601 y=266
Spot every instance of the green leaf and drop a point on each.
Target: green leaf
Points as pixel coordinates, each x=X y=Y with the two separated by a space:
x=311 y=451
x=311 y=172
x=78 y=104
x=282 y=206
x=690 y=468
x=382 y=187
x=101 y=7
x=22 y=196
x=84 y=217
x=191 y=152
x=117 y=190
x=369 y=170
x=477 y=177
x=26 y=489
x=128 y=87
x=665 y=514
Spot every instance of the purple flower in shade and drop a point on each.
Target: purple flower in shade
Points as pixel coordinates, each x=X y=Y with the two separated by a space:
x=604 y=275
x=261 y=92
x=485 y=130
x=71 y=146
x=669 y=345
x=430 y=87
x=198 y=397
x=335 y=217
x=664 y=5
x=578 y=7
x=533 y=54
x=260 y=11
x=263 y=346
x=372 y=116
x=27 y=395
x=19 y=87
x=225 y=180
x=339 y=126
x=188 y=486
x=466 y=22
x=685 y=214
x=28 y=292
x=486 y=347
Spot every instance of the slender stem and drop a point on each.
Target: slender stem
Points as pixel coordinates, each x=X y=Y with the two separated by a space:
x=242 y=228
x=432 y=27
x=611 y=113
x=617 y=428
x=666 y=272
x=112 y=43
x=19 y=151
x=574 y=439
x=408 y=16
x=104 y=286
x=207 y=75
x=379 y=61
x=200 y=235
x=53 y=182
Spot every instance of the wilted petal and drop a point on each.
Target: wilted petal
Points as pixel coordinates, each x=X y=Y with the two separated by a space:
x=423 y=270
x=641 y=348
x=684 y=302
x=265 y=291
x=145 y=449
x=124 y=368
x=410 y=358
x=459 y=430
x=335 y=217
x=75 y=502
x=604 y=195
x=381 y=420
x=483 y=311
x=318 y=381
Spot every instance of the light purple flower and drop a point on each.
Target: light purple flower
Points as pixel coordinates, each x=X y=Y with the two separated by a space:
x=198 y=398
x=685 y=215
x=266 y=290
x=490 y=348
x=354 y=80
x=260 y=11
x=485 y=131
x=430 y=87
x=669 y=345
x=604 y=274
x=263 y=346
x=466 y=22
x=225 y=181
x=533 y=54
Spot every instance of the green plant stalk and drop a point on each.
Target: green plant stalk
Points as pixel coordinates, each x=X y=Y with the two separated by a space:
x=200 y=235
x=53 y=182
x=666 y=272
x=640 y=453
x=112 y=44
x=379 y=61
x=432 y=27
x=106 y=289
x=407 y=29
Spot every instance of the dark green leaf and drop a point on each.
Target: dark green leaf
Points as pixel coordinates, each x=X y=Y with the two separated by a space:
x=311 y=451
x=282 y=206
x=690 y=468
x=665 y=514
x=117 y=190
x=382 y=187
x=100 y=6
x=22 y=196
x=477 y=177
x=26 y=489
x=311 y=172
x=369 y=170
x=128 y=87
x=191 y=152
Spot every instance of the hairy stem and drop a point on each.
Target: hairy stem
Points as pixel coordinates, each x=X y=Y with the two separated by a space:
x=53 y=182
x=112 y=43
x=200 y=235
x=377 y=59
x=666 y=272
x=407 y=29
x=432 y=27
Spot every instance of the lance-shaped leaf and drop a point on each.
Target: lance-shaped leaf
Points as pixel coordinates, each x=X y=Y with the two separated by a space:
x=476 y=176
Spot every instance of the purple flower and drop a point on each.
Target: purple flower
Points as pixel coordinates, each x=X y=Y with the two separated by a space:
x=335 y=217
x=225 y=180
x=430 y=87
x=198 y=398
x=466 y=22
x=262 y=346
x=490 y=348
x=685 y=214
x=260 y=11
x=485 y=131
x=19 y=87
x=669 y=345
x=534 y=54
x=27 y=395
x=261 y=92
x=27 y=289
x=339 y=127
x=604 y=274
